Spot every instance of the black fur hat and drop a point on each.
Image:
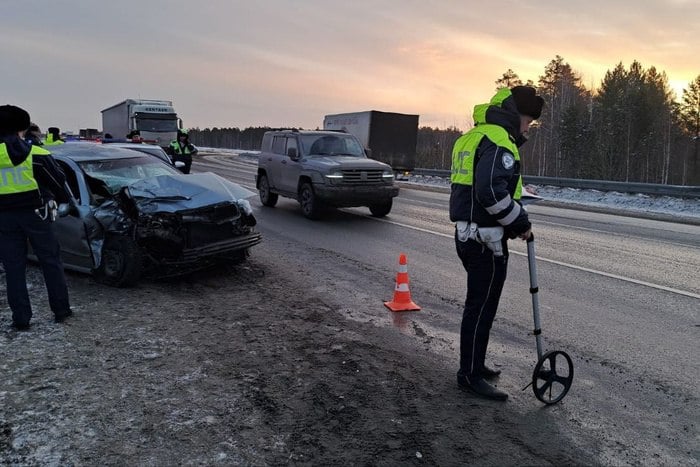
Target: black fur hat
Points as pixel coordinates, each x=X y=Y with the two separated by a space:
x=527 y=101
x=13 y=119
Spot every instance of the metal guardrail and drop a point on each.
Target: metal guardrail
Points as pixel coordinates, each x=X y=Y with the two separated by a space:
x=679 y=191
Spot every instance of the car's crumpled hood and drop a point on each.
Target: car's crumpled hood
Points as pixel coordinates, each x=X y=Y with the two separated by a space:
x=172 y=193
x=162 y=194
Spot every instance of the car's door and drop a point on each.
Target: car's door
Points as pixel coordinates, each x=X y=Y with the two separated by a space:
x=291 y=168
x=273 y=160
x=71 y=230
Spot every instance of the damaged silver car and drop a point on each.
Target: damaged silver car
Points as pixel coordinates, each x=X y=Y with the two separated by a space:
x=135 y=216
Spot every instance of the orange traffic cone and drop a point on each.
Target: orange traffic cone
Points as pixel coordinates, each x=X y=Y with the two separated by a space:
x=402 y=296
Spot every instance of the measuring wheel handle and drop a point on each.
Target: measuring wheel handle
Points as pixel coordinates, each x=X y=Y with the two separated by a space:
x=552 y=377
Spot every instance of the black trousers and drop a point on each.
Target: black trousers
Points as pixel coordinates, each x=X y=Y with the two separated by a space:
x=186 y=159
x=486 y=275
x=16 y=228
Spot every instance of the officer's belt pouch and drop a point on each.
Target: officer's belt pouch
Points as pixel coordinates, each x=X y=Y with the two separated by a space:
x=466 y=231
x=491 y=237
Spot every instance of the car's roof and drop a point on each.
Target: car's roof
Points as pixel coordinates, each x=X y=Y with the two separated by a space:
x=91 y=151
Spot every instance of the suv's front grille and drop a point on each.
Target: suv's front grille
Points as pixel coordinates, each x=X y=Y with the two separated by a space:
x=362 y=176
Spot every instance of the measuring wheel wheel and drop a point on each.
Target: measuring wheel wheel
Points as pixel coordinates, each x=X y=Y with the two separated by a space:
x=552 y=377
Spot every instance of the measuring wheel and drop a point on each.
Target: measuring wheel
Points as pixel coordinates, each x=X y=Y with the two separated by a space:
x=552 y=377
x=554 y=371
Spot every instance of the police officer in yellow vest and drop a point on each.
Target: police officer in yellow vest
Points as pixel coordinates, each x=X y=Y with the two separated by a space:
x=53 y=136
x=181 y=150
x=30 y=184
x=485 y=205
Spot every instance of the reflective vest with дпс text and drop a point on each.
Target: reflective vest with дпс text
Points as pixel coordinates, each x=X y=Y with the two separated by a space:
x=18 y=178
x=464 y=152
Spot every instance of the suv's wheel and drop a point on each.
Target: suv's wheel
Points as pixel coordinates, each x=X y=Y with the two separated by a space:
x=121 y=262
x=267 y=198
x=310 y=206
x=381 y=209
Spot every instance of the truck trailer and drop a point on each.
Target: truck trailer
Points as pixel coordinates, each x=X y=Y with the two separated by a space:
x=155 y=121
x=391 y=137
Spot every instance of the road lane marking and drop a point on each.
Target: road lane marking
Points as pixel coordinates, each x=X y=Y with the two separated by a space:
x=559 y=263
x=547 y=260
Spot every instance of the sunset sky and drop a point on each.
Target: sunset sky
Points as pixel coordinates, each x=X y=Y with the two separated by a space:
x=281 y=63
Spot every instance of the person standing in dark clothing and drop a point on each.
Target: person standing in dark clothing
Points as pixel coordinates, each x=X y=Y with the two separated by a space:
x=53 y=136
x=181 y=150
x=31 y=184
x=485 y=205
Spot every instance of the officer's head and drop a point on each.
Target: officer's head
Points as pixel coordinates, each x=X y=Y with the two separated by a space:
x=529 y=105
x=13 y=120
x=54 y=131
x=182 y=134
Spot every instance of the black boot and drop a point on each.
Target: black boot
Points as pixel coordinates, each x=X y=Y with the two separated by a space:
x=477 y=385
x=489 y=373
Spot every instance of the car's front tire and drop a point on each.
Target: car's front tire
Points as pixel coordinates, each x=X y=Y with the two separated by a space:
x=267 y=198
x=381 y=209
x=310 y=205
x=121 y=263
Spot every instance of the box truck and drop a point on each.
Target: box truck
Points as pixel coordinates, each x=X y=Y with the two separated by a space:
x=156 y=121
x=391 y=137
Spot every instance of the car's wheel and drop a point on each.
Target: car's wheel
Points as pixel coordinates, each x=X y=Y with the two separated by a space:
x=267 y=198
x=310 y=206
x=381 y=209
x=121 y=262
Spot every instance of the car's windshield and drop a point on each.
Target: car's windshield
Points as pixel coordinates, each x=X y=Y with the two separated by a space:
x=117 y=173
x=156 y=124
x=331 y=145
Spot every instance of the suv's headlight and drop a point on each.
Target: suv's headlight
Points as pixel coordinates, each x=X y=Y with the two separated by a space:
x=335 y=177
x=388 y=175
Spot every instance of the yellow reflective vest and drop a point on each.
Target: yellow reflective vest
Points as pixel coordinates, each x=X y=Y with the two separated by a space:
x=465 y=147
x=177 y=149
x=50 y=140
x=18 y=178
x=464 y=151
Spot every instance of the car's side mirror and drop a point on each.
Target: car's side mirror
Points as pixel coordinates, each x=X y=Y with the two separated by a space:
x=68 y=209
x=368 y=152
x=63 y=209
x=292 y=153
x=179 y=164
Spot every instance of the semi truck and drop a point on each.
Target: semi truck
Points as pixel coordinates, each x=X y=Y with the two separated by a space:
x=155 y=121
x=391 y=137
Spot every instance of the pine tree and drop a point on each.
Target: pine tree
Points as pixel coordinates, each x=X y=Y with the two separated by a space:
x=690 y=121
x=509 y=80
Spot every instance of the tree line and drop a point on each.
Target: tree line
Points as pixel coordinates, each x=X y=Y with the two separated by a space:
x=629 y=129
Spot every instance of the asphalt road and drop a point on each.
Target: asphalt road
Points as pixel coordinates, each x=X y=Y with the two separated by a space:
x=621 y=295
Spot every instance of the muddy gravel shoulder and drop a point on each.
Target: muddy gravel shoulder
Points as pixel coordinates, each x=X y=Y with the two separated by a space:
x=243 y=366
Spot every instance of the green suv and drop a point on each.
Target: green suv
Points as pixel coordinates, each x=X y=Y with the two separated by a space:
x=322 y=169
